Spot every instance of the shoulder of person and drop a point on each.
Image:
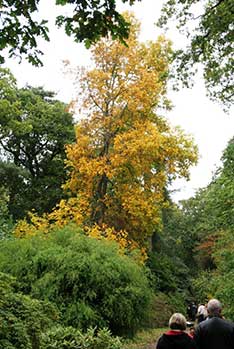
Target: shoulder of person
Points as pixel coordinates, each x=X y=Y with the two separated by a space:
x=221 y=320
x=160 y=342
x=229 y=322
x=188 y=337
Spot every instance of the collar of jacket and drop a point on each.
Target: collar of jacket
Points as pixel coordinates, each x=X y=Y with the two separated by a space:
x=174 y=332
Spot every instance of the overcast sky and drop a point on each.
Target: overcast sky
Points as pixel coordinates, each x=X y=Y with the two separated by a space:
x=193 y=111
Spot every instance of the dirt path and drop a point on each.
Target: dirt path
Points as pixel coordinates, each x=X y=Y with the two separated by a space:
x=150 y=346
x=147 y=346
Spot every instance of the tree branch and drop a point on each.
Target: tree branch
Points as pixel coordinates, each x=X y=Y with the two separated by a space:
x=209 y=10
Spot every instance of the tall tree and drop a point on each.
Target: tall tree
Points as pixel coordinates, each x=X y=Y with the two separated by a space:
x=88 y=22
x=211 y=43
x=126 y=153
x=34 y=130
x=208 y=216
x=216 y=235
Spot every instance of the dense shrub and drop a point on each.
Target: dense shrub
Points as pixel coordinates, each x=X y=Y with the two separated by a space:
x=68 y=337
x=162 y=307
x=6 y=228
x=160 y=311
x=6 y=221
x=88 y=280
x=221 y=282
x=223 y=289
x=22 y=319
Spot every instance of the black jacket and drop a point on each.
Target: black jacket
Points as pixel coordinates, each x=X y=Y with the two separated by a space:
x=215 y=333
x=175 y=340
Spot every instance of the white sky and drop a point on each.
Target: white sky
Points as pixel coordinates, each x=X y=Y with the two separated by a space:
x=193 y=111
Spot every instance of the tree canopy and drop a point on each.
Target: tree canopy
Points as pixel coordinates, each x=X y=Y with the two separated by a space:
x=204 y=226
x=89 y=21
x=34 y=130
x=209 y=26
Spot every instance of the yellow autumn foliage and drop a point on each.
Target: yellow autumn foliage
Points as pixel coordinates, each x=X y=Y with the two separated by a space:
x=126 y=154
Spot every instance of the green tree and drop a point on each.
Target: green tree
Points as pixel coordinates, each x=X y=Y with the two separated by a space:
x=211 y=43
x=171 y=260
x=88 y=22
x=223 y=190
x=213 y=206
x=210 y=226
x=223 y=278
x=34 y=130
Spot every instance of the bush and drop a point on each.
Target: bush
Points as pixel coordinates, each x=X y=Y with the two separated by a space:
x=88 y=280
x=221 y=282
x=63 y=338
x=162 y=307
x=6 y=228
x=160 y=311
x=22 y=319
x=177 y=302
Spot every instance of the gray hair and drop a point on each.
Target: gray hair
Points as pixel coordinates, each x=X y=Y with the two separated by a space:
x=214 y=307
x=177 y=322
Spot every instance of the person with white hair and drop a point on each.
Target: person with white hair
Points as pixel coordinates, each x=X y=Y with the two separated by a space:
x=215 y=332
x=176 y=337
x=201 y=313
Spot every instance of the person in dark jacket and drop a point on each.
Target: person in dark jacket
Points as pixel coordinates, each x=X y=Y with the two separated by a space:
x=215 y=332
x=176 y=337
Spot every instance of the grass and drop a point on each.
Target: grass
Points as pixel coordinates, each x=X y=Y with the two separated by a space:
x=144 y=339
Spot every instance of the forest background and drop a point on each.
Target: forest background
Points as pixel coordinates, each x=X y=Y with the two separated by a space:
x=86 y=206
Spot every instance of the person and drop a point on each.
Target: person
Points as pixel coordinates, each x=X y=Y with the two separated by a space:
x=176 y=337
x=201 y=313
x=191 y=331
x=215 y=332
x=193 y=311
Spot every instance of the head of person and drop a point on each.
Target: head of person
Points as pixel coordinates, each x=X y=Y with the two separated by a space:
x=214 y=308
x=191 y=330
x=177 y=322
